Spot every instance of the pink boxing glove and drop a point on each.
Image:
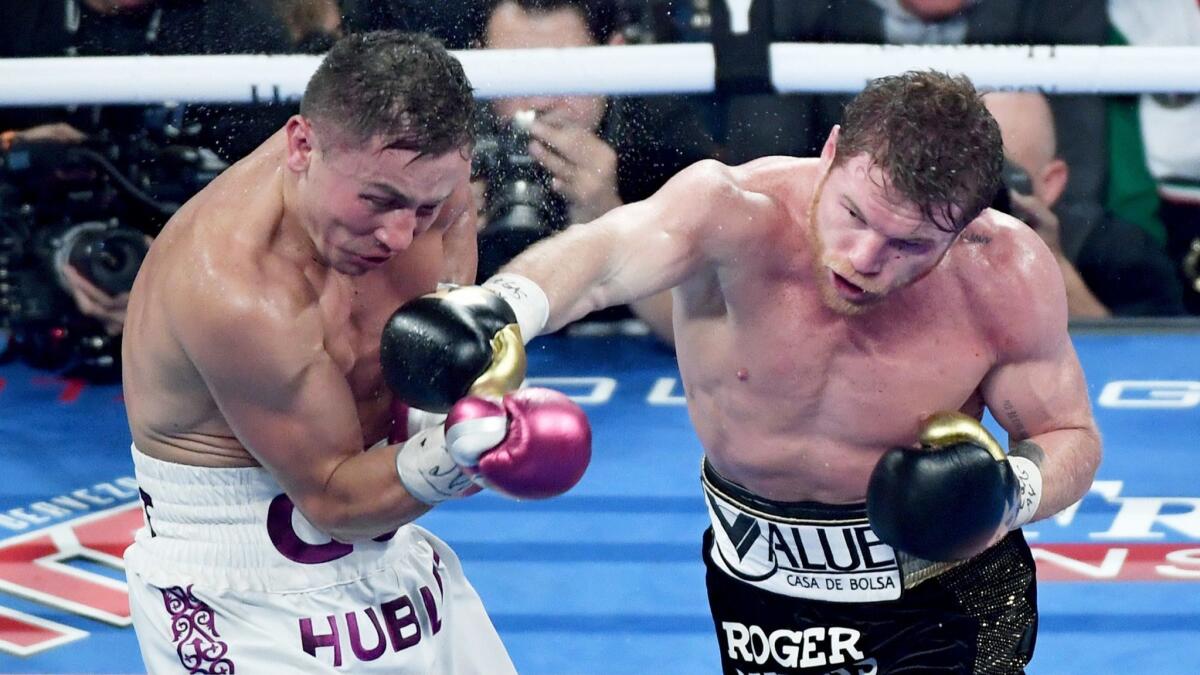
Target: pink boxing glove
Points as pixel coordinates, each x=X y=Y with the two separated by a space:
x=534 y=444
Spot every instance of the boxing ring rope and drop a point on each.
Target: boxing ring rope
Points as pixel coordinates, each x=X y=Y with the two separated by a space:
x=638 y=69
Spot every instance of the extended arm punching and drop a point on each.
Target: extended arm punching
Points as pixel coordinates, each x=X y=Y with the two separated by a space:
x=641 y=248
x=460 y=351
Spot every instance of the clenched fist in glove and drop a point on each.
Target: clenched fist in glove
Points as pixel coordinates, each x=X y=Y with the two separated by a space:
x=955 y=495
x=440 y=347
x=532 y=444
x=437 y=348
x=545 y=448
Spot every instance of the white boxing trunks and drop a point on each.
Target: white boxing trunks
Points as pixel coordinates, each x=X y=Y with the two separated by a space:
x=228 y=577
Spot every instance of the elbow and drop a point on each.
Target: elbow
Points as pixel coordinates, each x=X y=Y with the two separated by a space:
x=324 y=519
x=344 y=534
x=708 y=172
x=353 y=517
x=1084 y=463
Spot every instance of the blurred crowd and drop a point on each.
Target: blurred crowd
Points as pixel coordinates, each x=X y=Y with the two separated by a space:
x=1110 y=183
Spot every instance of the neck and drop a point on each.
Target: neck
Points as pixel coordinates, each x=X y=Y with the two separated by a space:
x=296 y=228
x=815 y=198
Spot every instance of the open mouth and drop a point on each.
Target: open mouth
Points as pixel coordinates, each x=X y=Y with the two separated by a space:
x=847 y=289
x=374 y=259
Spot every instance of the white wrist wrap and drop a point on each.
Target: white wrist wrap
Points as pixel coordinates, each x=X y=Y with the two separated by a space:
x=427 y=470
x=420 y=420
x=1029 y=478
x=467 y=440
x=527 y=299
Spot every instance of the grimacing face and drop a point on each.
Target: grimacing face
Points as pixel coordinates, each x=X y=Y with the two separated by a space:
x=867 y=243
x=365 y=204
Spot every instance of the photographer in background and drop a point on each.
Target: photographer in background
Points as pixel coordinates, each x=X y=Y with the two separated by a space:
x=82 y=188
x=548 y=161
x=75 y=224
x=1111 y=267
x=93 y=301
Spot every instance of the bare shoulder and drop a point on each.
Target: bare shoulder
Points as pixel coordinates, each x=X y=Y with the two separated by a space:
x=233 y=284
x=716 y=183
x=782 y=186
x=732 y=205
x=773 y=173
x=228 y=283
x=261 y=328
x=1011 y=279
x=707 y=179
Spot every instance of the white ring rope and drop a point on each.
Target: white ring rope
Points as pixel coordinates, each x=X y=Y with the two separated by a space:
x=641 y=69
x=1064 y=69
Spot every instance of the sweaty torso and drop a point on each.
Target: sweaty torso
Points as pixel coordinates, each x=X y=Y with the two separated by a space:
x=796 y=402
x=231 y=232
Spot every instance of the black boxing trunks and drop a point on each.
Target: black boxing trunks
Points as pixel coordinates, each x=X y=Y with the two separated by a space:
x=803 y=587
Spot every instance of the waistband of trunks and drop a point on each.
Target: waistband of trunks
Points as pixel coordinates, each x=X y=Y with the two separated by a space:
x=800 y=512
x=913 y=570
x=237 y=529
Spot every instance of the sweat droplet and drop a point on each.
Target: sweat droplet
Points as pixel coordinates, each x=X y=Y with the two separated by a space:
x=743 y=374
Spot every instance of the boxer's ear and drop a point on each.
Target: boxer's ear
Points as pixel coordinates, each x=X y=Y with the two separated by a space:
x=300 y=143
x=829 y=150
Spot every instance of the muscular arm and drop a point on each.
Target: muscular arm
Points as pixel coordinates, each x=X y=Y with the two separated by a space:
x=641 y=248
x=265 y=363
x=1038 y=394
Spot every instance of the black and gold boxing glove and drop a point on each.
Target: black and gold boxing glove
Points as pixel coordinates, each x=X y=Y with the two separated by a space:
x=952 y=496
x=440 y=347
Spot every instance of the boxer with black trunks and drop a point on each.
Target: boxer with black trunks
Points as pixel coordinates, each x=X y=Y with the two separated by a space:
x=841 y=323
x=278 y=473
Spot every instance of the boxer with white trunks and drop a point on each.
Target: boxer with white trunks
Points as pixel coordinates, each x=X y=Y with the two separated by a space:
x=229 y=577
x=280 y=476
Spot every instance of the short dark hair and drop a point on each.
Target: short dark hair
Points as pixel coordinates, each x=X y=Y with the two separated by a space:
x=932 y=136
x=403 y=86
x=601 y=16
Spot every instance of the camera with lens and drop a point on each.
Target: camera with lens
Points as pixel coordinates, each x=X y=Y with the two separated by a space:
x=92 y=208
x=519 y=206
x=1016 y=179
